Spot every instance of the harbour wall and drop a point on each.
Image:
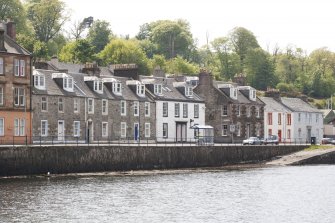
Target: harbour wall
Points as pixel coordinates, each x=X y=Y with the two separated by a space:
x=30 y=160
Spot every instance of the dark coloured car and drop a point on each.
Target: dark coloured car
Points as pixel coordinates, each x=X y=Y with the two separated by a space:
x=272 y=139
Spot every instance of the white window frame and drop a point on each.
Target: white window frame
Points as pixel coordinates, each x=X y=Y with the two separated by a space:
x=22 y=67
x=60 y=104
x=185 y=110
x=196 y=111
x=248 y=111
x=147 y=109
x=19 y=127
x=165 y=130
x=147 y=130
x=1 y=96
x=176 y=110
x=104 y=129
x=136 y=108
x=123 y=109
x=76 y=105
x=123 y=129
x=188 y=91
x=44 y=103
x=90 y=105
x=76 y=128
x=98 y=86
x=39 y=81
x=117 y=88
x=2 y=66
x=44 y=127
x=16 y=67
x=2 y=126
x=158 y=89
x=140 y=89
x=224 y=130
x=224 y=110
x=165 y=109
x=104 y=105
x=19 y=96
x=68 y=84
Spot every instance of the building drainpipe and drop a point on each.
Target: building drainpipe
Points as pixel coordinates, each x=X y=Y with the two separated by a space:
x=30 y=101
x=86 y=124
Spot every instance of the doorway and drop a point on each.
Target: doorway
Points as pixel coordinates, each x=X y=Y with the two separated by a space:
x=136 y=131
x=181 y=131
x=60 y=130
x=279 y=135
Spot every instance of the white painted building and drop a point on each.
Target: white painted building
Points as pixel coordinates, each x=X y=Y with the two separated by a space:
x=292 y=120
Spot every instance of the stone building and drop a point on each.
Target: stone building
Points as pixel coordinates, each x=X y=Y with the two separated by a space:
x=15 y=73
x=234 y=111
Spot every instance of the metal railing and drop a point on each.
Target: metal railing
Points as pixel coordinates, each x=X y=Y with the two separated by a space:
x=130 y=141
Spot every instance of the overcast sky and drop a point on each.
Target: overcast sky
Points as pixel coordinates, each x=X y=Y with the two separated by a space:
x=306 y=24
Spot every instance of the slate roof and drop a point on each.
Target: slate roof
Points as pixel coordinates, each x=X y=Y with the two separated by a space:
x=298 y=105
x=169 y=88
x=12 y=47
x=273 y=105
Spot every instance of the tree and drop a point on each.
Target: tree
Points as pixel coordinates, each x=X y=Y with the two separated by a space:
x=179 y=65
x=80 y=51
x=243 y=40
x=99 y=35
x=47 y=18
x=14 y=10
x=172 y=37
x=121 y=51
x=260 y=70
x=78 y=27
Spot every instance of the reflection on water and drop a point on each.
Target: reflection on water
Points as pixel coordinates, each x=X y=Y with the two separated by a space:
x=280 y=194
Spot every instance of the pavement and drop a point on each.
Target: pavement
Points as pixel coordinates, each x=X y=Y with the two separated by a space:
x=298 y=156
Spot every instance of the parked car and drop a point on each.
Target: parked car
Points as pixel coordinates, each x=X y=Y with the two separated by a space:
x=326 y=141
x=252 y=141
x=272 y=139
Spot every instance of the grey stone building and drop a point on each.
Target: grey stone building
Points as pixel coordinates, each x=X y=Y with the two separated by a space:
x=89 y=104
x=234 y=111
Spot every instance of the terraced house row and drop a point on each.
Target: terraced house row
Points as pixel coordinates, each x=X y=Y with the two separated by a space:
x=84 y=103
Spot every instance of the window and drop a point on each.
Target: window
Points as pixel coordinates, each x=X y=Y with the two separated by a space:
x=165 y=109
x=253 y=94
x=269 y=118
x=165 y=130
x=299 y=132
x=2 y=126
x=224 y=130
x=196 y=111
x=76 y=105
x=140 y=88
x=39 y=81
x=19 y=67
x=147 y=130
x=98 y=86
x=158 y=89
x=117 y=88
x=188 y=91
x=289 y=133
x=123 y=108
x=279 y=118
x=1 y=66
x=60 y=105
x=238 y=110
x=123 y=129
x=310 y=118
x=185 y=110
x=22 y=68
x=176 y=109
x=19 y=96
x=299 y=117
x=238 y=129
x=288 y=119
x=90 y=104
x=147 y=109
x=1 y=95
x=224 y=110
x=44 y=104
x=257 y=112
x=104 y=130
x=44 y=127
x=269 y=132
x=68 y=84
x=235 y=93
x=316 y=118
x=136 y=108
x=248 y=111
x=76 y=128
x=258 y=129
x=19 y=127
x=104 y=107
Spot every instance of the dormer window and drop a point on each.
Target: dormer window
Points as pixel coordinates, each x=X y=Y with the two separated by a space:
x=158 y=89
x=117 y=88
x=39 y=81
x=189 y=92
x=253 y=95
x=98 y=86
x=140 y=89
x=68 y=84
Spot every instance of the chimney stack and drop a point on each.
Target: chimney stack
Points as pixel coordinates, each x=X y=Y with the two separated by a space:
x=205 y=78
x=11 y=30
x=2 y=37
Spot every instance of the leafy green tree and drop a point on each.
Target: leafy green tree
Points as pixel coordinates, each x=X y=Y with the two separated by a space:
x=121 y=51
x=40 y=51
x=13 y=9
x=260 y=70
x=47 y=18
x=80 y=51
x=158 y=60
x=66 y=54
x=99 y=34
x=148 y=47
x=243 y=40
x=179 y=65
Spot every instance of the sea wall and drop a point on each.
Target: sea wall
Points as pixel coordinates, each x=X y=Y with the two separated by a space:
x=327 y=158
x=66 y=159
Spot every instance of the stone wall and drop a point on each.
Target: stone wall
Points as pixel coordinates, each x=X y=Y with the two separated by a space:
x=67 y=159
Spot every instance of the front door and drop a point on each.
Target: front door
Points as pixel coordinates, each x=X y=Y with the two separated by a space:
x=60 y=130
x=136 y=131
x=309 y=133
x=248 y=131
x=181 y=131
x=279 y=135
